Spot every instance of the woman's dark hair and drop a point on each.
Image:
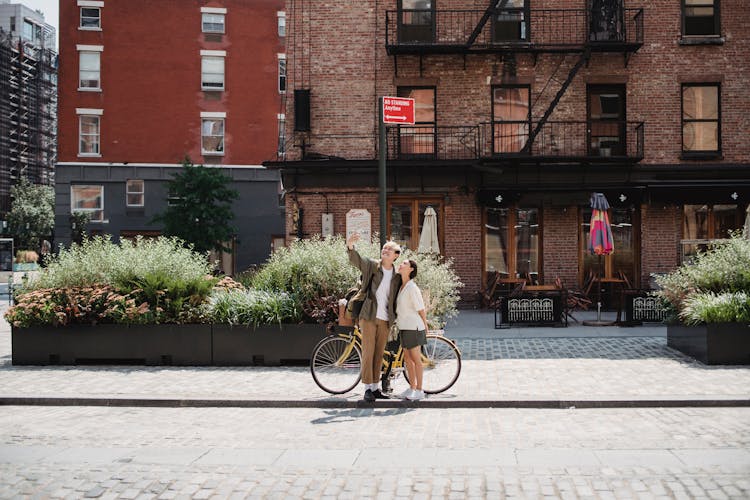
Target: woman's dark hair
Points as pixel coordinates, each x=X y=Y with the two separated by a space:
x=413 y=272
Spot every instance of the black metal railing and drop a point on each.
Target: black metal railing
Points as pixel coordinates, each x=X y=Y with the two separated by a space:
x=433 y=142
x=534 y=29
x=564 y=140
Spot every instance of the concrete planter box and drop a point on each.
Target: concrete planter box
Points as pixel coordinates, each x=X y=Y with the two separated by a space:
x=186 y=345
x=269 y=345
x=714 y=343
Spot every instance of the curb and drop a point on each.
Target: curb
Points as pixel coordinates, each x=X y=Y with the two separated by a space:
x=396 y=403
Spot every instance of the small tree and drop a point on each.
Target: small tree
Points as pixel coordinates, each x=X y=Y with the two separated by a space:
x=32 y=214
x=200 y=208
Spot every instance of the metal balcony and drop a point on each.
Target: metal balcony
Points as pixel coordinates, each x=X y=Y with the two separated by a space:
x=557 y=142
x=518 y=30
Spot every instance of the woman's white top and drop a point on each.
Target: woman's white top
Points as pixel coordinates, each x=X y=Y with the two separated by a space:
x=409 y=301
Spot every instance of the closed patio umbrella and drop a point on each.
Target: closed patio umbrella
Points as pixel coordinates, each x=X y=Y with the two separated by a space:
x=428 y=240
x=600 y=243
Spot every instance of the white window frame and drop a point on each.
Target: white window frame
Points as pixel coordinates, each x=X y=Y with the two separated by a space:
x=213 y=117
x=135 y=187
x=282 y=73
x=95 y=114
x=92 y=211
x=281 y=16
x=90 y=50
x=87 y=5
x=214 y=56
x=213 y=20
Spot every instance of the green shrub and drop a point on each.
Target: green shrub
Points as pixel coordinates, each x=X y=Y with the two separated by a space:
x=318 y=273
x=170 y=279
x=712 y=285
x=710 y=307
x=252 y=307
x=63 y=306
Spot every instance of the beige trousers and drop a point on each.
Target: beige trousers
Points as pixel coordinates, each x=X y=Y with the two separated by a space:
x=374 y=337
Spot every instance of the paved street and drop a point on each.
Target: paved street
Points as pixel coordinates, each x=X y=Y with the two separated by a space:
x=401 y=452
x=371 y=453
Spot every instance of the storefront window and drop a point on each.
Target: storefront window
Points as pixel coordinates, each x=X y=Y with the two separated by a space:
x=702 y=224
x=512 y=243
x=622 y=262
x=406 y=220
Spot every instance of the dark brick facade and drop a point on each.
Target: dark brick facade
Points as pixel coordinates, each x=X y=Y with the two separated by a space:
x=338 y=52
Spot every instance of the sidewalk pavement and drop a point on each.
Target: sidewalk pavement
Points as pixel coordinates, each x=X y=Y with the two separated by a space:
x=520 y=367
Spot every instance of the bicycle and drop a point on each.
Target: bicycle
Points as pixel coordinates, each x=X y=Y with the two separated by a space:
x=336 y=361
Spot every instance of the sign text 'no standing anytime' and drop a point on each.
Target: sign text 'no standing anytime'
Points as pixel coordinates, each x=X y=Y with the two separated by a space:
x=398 y=110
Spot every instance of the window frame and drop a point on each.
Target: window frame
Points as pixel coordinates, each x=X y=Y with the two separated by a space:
x=129 y=193
x=282 y=73
x=98 y=18
x=495 y=121
x=406 y=137
x=213 y=31
x=715 y=4
x=438 y=204
x=213 y=57
x=100 y=209
x=98 y=55
x=221 y=152
x=281 y=23
x=98 y=135
x=700 y=153
x=511 y=253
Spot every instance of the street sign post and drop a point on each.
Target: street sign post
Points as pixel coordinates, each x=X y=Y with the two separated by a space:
x=399 y=110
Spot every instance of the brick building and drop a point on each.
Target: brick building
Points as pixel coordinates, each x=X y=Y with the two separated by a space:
x=523 y=109
x=143 y=84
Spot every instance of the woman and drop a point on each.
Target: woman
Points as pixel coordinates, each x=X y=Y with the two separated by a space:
x=412 y=325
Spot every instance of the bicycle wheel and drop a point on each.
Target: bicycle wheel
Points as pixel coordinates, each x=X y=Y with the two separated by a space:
x=442 y=364
x=335 y=364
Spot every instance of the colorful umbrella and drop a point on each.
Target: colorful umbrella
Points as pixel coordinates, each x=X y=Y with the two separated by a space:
x=600 y=232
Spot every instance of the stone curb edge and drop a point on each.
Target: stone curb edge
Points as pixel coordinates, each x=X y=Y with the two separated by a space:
x=395 y=403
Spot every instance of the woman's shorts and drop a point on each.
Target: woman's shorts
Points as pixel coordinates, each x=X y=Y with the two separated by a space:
x=413 y=338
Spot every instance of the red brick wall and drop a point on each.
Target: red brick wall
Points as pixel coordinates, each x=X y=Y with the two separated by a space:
x=561 y=246
x=661 y=230
x=150 y=76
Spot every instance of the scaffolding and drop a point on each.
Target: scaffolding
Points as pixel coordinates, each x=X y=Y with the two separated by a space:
x=28 y=114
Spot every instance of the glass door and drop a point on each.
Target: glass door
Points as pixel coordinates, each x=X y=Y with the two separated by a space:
x=416 y=21
x=606 y=118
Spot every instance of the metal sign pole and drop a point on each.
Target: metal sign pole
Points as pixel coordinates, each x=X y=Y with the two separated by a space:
x=382 y=153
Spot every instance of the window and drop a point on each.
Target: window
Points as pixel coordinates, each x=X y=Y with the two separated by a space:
x=12 y=24
x=212 y=23
x=91 y=18
x=512 y=243
x=88 y=135
x=89 y=70
x=415 y=21
x=418 y=139
x=606 y=114
x=212 y=72
x=28 y=31
x=212 y=136
x=88 y=199
x=406 y=218
x=281 y=148
x=510 y=118
x=703 y=223
x=282 y=73
x=700 y=18
x=510 y=22
x=701 y=118
x=281 y=15
x=134 y=193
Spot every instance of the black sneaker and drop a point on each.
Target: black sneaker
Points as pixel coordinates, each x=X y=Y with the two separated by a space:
x=379 y=395
x=369 y=396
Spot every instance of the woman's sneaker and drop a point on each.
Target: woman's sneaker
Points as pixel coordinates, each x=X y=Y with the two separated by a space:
x=408 y=392
x=416 y=396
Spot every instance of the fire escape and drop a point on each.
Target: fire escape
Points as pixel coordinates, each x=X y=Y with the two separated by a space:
x=509 y=28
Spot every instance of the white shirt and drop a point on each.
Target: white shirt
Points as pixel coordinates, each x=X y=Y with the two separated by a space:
x=408 y=303
x=381 y=295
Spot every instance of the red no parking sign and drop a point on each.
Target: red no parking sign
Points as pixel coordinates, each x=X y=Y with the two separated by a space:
x=398 y=110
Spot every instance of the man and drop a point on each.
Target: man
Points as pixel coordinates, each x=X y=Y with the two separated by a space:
x=378 y=310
